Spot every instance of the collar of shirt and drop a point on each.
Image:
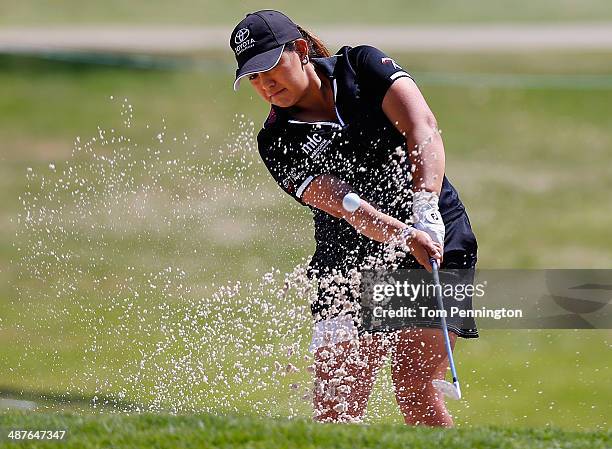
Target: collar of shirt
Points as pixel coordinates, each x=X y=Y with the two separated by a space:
x=328 y=66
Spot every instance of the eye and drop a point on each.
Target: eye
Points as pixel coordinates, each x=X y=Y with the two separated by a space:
x=253 y=76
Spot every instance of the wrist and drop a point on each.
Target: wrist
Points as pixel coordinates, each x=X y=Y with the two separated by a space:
x=424 y=202
x=426 y=216
x=406 y=233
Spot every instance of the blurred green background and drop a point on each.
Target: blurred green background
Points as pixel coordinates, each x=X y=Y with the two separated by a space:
x=211 y=12
x=111 y=249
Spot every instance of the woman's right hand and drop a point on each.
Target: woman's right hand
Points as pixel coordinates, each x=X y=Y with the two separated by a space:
x=423 y=248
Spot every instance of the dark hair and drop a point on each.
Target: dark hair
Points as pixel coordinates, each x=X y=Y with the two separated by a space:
x=316 y=47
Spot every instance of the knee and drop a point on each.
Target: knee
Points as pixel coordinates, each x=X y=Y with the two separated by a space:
x=416 y=392
x=340 y=400
x=415 y=376
x=414 y=384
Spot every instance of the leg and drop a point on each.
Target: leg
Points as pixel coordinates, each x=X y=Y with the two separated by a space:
x=419 y=356
x=345 y=373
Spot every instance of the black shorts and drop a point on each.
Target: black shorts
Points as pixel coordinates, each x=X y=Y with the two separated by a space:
x=335 y=296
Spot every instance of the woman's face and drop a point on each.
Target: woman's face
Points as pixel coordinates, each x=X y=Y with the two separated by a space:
x=285 y=84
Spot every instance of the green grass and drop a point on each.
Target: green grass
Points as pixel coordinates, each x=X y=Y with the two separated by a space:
x=205 y=431
x=314 y=12
x=530 y=164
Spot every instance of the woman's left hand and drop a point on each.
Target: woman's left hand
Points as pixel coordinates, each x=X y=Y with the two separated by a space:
x=423 y=248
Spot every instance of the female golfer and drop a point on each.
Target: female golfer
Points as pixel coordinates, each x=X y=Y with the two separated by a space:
x=355 y=122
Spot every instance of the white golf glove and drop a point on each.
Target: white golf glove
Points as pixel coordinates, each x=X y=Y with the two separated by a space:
x=426 y=215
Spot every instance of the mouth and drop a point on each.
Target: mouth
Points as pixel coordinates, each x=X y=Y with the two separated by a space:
x=277 y=93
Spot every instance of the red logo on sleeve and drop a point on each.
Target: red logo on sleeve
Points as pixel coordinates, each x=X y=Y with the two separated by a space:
x=389 y=61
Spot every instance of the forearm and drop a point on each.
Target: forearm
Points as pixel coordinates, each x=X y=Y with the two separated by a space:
x=427 y=158
x=384 y=228
x=406 y=108
x=374 y=224
x=428 y=163
x=327 y=192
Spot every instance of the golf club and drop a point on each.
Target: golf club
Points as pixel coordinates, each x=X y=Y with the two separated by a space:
x=451 y=390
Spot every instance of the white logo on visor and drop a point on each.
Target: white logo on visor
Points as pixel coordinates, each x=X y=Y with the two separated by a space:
x=243 y=41
x=241 y=35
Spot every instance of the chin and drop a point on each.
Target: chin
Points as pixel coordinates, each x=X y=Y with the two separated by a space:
x=283 y=102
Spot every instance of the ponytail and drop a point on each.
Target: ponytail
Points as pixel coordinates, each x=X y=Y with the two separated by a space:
x=316 y=47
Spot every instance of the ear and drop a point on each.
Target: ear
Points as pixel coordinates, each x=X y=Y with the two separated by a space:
x=301 y=47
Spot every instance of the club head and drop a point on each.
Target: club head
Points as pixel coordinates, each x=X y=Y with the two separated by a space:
x=451 y=391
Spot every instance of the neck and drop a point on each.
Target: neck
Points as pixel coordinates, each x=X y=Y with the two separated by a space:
x=317 y=103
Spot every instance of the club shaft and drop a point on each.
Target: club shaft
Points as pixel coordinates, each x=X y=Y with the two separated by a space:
x=449 y=350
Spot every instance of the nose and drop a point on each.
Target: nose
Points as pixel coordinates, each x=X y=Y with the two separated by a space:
x=267 y=81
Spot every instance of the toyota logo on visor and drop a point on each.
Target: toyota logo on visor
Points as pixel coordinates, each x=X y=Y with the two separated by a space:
x=241 y=35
